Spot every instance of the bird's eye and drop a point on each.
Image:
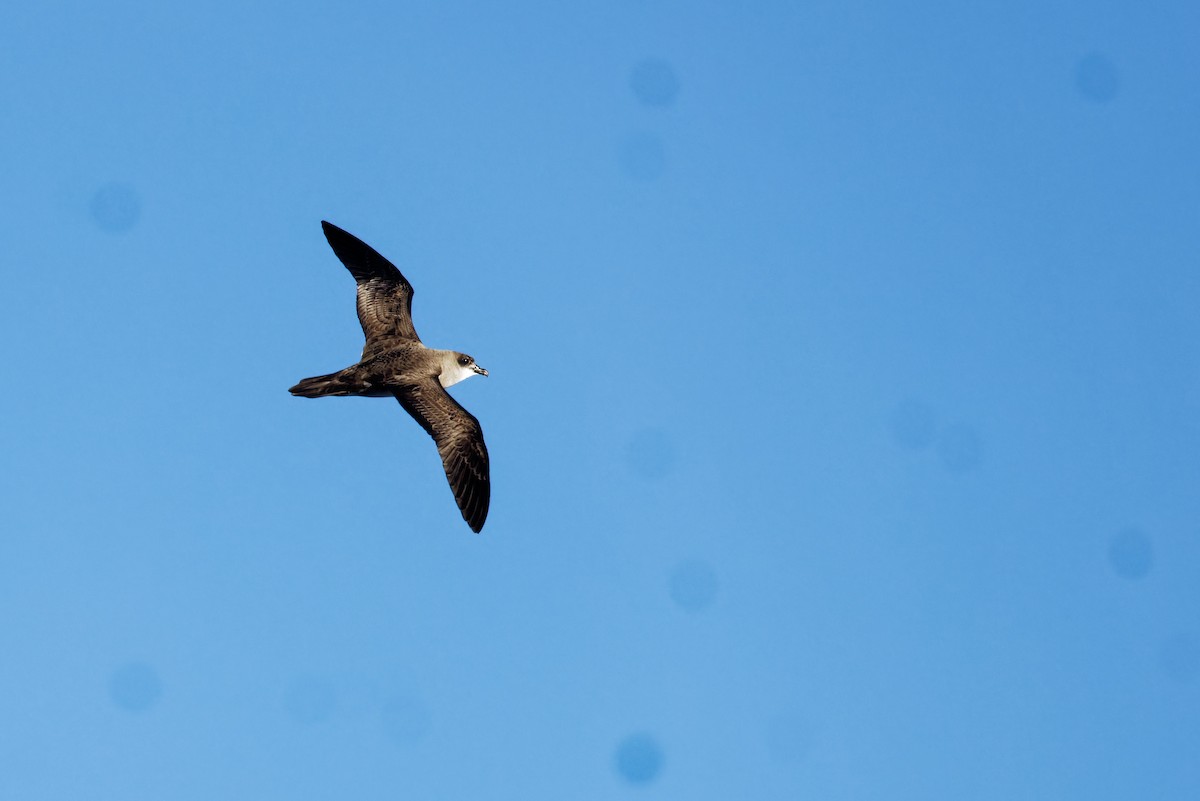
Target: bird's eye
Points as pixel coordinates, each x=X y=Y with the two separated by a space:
x=464 y=360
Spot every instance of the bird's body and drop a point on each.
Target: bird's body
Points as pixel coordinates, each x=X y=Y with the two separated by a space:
x=390 y=369
x=395 y=363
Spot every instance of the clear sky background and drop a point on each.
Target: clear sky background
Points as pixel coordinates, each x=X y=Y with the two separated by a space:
x=843 y=411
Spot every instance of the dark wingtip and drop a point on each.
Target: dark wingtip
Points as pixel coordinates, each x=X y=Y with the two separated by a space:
x=362 y=260
x=475 y=512
x=331 y=230
x=473 y=516
x=476 y=516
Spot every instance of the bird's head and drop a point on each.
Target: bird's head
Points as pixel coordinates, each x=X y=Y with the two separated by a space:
x=458 y=367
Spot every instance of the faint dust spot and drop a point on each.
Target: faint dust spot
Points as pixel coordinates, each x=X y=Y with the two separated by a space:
x=406 y=720
x=1096 y=78
x=135 y=687
x=310 y=700
x=1179 y=657
x=116 y=207
x=650 y=453
x=642 y=156
x=693 y=585
x=960 y=449
x=913 y=424
x=789 y=737
x=638 y=759
x=654 y=82
x=1131 y=554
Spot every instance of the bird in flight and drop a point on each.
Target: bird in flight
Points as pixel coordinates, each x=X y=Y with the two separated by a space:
x=395 y=363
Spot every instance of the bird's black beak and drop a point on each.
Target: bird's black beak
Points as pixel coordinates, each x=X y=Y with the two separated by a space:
x=479 y=370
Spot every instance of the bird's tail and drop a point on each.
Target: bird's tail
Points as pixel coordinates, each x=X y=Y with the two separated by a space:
x=322 y=385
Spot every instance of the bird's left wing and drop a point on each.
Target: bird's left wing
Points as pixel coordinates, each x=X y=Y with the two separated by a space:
x=384 y=294
x=459 y=441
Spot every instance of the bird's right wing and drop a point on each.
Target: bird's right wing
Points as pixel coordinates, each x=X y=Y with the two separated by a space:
x=459 y=442
x=384 y=295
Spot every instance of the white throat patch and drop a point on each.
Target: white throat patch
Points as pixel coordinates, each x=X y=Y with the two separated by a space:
x=452 y=371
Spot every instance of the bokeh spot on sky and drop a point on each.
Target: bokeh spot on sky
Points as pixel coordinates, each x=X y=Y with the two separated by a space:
x=638 y=758
x=1130 y=553
x=693 y=585
x=1096 y=78
x=116 y=207
x=406 y=720
x=654 y=82
x=650 y=453
x=1179 y=656
x=913 y=424
x=960 y=448
x=135 y=687
x=643 y=156
x=310 y=699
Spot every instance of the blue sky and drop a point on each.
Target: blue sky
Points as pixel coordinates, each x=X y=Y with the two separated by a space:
x=843 y=401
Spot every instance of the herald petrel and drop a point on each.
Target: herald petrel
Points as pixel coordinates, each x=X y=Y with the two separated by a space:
x=395 y=363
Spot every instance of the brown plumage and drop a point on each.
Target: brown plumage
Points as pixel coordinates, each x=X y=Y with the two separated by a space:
x=396 y=363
